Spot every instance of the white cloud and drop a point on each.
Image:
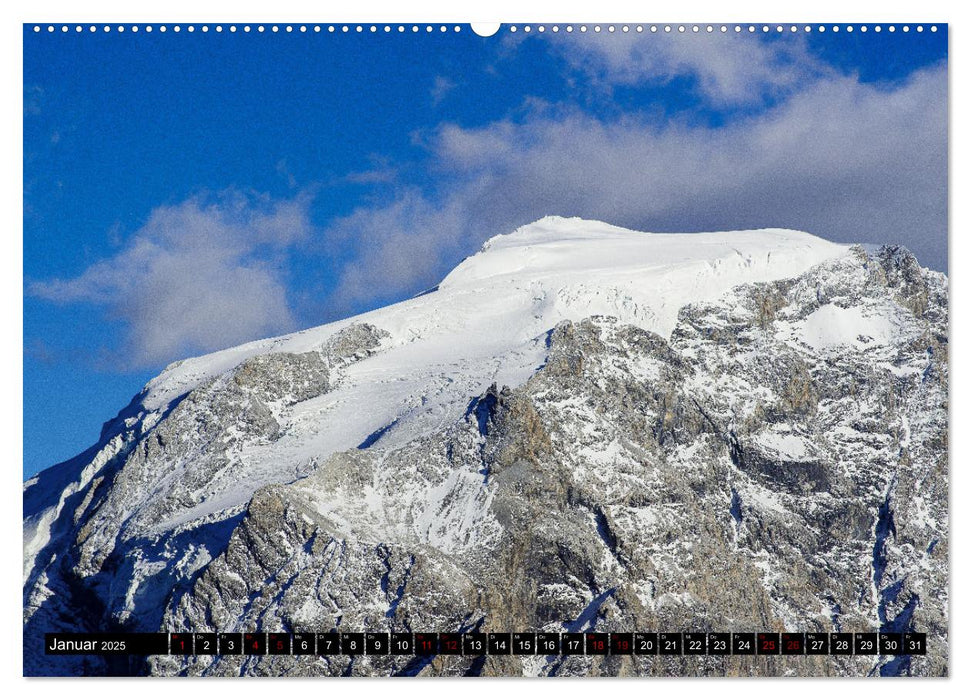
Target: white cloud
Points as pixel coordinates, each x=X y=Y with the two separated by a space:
x=395 y=247
x=848 y=161
x=728 y=69
x=198 y=276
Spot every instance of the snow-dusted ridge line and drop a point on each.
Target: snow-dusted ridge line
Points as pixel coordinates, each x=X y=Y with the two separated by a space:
x=521 y=284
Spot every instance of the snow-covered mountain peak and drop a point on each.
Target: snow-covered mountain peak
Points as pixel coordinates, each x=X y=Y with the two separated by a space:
x=627 y=414
x=555 y=246
x=487 y=323
x=520 y=285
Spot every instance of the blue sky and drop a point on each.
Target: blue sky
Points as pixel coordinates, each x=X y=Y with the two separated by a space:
x=187 y=192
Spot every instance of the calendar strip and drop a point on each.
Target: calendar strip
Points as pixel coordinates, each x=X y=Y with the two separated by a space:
x=490 y=644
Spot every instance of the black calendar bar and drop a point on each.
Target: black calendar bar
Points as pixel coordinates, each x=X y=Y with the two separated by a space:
x=492 y=643
x=105 y=644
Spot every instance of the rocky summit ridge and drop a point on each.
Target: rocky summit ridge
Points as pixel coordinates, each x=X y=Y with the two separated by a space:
x=581 y=428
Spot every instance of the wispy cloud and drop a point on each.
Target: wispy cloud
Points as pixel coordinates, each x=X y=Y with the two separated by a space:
x=283 y=170
x=440 y=88
x=375 y=176
x=198 y=276
x=395 y=248
x=727 y=69
x=33 y=97
x=849 y=161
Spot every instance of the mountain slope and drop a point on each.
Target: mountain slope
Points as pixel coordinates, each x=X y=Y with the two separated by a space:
x=580 y=426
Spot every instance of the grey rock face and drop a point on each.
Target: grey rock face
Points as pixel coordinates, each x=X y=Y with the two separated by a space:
x=122 y=538
x=779 y=463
